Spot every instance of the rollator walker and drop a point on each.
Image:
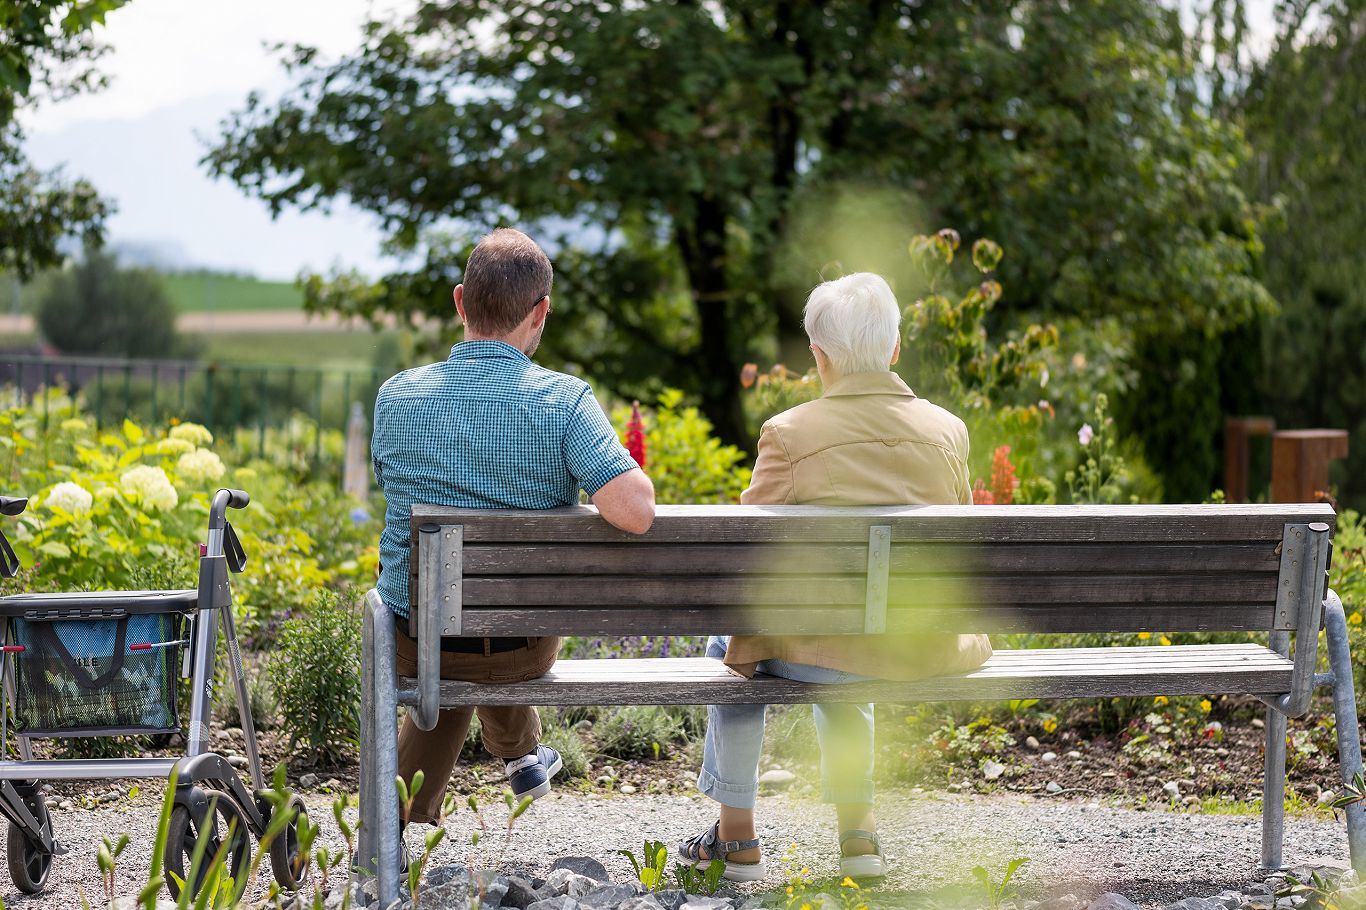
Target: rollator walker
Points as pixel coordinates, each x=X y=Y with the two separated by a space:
x=105 y=663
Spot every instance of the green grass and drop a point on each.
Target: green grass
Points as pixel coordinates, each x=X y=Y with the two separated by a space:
x=198 y=292
x=353 y=348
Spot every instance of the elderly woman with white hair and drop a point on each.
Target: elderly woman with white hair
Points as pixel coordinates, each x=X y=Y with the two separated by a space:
x=868 y=440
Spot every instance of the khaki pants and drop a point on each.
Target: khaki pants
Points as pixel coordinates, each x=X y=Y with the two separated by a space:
x=508 y=732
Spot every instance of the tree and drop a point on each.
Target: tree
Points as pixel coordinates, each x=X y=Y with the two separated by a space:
x=46 y=50
x=98 y=308
x=685 y=160
x=1304 y=108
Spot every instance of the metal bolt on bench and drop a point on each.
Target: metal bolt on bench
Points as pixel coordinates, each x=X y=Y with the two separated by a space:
x=801 y=569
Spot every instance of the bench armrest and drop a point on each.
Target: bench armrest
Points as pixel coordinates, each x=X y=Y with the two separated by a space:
x=427 y=625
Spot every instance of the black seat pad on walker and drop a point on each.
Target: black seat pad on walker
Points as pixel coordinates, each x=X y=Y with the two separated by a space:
x=131 y=602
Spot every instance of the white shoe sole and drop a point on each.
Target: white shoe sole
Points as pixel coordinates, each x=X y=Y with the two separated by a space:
x=741 y=872
x=868 y=866
x=544 y=788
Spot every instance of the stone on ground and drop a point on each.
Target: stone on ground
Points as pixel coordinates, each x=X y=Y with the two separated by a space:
x=583 y=865
x=1112 y=901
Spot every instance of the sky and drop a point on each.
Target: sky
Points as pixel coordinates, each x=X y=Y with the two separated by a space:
x=177 y=68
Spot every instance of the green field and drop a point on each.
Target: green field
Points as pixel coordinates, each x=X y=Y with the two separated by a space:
x=350 y=348
x=198 y=292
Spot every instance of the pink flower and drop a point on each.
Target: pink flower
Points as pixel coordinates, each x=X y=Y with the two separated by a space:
x=1084 y=434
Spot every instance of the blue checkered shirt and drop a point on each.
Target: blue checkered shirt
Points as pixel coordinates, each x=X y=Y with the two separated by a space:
x=485 y=429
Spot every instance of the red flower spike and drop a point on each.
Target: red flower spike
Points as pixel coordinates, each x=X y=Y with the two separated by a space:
x=1003 y=480
x=981 y=496
x=635 y=435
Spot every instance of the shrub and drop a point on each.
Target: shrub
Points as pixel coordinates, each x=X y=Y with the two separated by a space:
x=573 y=751
x=685 y=461
x=99 y=308
x=315 y=671
x=636 y=731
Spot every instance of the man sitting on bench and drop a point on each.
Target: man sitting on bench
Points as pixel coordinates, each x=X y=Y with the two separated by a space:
x=489 y=429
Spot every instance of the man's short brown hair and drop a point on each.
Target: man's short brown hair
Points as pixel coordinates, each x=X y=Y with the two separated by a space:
x=506 y=275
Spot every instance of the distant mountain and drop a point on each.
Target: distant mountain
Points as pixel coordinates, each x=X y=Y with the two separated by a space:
x=172 y=215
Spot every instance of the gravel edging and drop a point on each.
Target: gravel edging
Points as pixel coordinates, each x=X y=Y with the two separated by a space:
x=932 y=841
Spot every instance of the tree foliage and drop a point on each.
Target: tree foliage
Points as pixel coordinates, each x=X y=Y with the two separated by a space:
x=96 y=307
x=684 y=160
x=46 y=51
x=1305 y=112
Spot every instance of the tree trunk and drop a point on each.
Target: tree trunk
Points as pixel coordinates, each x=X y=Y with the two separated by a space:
x=702 y=242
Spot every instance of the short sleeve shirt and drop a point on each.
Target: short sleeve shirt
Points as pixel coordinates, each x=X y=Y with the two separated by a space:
x=484 y=429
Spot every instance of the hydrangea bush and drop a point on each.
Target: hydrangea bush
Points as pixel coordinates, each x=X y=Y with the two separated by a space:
x=112 y=506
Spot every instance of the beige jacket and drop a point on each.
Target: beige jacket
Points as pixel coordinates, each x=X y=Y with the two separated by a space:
x=869 y=441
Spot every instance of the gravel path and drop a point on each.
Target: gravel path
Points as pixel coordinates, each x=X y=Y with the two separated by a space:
x=932 y=840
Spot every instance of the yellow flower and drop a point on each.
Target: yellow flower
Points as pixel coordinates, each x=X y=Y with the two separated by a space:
x=1144 y=636
x=789 y=890
x=1160 y=700
x=1355 y=618
x=1206 y=705
x=849 y=883
x=1050 y=725
x=806 y=907
x=1165 y=640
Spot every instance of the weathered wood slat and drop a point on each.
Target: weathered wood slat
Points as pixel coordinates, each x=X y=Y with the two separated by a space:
x=903 y=591
x=643 y=559
x=704 y=681
x=848 y=619
x=711 y=524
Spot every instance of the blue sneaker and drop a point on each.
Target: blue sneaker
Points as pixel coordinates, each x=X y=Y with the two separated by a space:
x=530 y=775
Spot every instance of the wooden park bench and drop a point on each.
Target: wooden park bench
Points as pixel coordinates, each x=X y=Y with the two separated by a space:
x=796 y=569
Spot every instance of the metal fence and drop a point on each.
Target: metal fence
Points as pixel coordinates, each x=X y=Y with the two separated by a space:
x=221 y=396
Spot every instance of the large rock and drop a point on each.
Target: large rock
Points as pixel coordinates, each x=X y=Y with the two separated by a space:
x=561 y=902
x=1112 y=901
x=492 y=892
x=583 y=865
x=567 y=881
x=643 y=902
x=521 y=893
x=607 y=897
x=444 y=875
x=777 y=779
x=672 y=899
x=1196 y=903
x=698 y=902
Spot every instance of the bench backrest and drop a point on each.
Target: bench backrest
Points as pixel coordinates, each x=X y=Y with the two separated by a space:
x=802 y=569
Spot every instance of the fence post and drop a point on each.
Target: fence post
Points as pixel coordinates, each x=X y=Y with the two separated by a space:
x=356 y=463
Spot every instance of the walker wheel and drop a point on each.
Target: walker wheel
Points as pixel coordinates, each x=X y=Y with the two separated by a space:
x=286 y=861
x=226 y=825
x=29 y=863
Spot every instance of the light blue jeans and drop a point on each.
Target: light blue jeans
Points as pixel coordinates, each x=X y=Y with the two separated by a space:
x=735 y=739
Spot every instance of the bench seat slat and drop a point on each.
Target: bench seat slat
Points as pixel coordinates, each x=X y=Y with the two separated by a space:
x=666 y=619
x=1106 y=672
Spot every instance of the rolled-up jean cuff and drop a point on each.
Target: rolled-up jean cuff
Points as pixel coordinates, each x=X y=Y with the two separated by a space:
x=860 y=794
x=732 y=795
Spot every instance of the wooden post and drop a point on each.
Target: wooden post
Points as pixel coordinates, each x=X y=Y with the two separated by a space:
x=1237 y=432
x=356 y=461
x=1299 y=463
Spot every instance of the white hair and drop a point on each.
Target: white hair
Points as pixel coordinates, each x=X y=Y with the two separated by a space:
x=855 y=320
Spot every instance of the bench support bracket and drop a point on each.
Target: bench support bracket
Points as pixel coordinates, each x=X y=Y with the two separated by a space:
x=879 y=571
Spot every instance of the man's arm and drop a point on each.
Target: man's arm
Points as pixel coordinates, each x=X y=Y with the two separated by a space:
x=627 y=501
x=625 y=497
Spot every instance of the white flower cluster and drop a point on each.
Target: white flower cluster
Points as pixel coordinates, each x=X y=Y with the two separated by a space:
x=150 y=487
x=174 y=446
x=200 y=465
x=69 y=497
x=193 y=433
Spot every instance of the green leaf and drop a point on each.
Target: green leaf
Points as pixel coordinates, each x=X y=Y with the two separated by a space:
x=56 y=549
x=132 y=431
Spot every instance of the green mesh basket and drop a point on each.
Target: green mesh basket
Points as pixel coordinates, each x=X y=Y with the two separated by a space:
x=96 y=677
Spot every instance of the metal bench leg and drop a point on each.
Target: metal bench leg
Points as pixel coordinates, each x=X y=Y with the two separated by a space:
x=1273 y=791
x=379 y=833
x=1273 y=783
x=1345 y=710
